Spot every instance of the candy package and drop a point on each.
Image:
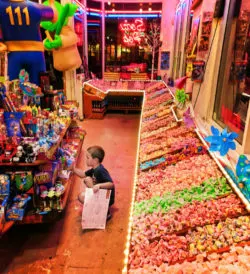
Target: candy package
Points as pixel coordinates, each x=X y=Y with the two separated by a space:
x=12 y=121
x=4 y=184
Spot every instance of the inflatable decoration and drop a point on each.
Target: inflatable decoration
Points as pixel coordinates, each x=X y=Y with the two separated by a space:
x=61 y=39
x=20 y=26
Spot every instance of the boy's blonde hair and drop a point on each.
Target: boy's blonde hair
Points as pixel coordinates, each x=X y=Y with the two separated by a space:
x=96 y=152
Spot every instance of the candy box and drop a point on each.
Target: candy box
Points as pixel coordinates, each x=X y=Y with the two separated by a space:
x=43 y=177
x=15 y=213
x=52 y=169
x=23 y=180
x=12 y=121
x=17 y=210
x=3 y=204
x=4 y=184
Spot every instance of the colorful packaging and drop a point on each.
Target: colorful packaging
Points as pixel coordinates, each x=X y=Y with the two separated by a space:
x=42 y=177
x=17 y=210
x=12 y=121
x=4 y=184
x=23 y=180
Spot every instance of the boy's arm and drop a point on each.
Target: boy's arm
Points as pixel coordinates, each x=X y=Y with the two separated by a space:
x=107 y=185
x=79 y=172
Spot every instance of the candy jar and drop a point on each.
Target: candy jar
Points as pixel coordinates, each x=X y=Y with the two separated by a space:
x=51 y=195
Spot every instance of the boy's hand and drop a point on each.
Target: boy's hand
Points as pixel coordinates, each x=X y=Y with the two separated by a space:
x=96 y=188
x=71 y=168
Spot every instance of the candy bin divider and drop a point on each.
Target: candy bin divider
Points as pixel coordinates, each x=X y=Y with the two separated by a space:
x=175 y=115
x=130 y=224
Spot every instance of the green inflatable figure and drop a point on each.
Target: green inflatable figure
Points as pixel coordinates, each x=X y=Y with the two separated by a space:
x=62 y=39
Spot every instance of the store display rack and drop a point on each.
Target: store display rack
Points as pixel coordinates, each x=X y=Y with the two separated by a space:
x=32 y=215
x=113 y=97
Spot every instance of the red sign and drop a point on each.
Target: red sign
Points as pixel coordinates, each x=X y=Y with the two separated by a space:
x=231 y=119
x=132 y=32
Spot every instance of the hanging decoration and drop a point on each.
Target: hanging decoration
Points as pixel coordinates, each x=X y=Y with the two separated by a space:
x=205 y=31
x=165 y=58
x=192 y=44
x=221 y=141
x=198 y=71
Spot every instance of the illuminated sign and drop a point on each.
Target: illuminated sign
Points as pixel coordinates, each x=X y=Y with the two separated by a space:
x=132 y=33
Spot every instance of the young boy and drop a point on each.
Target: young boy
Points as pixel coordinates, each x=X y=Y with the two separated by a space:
x=97 y=177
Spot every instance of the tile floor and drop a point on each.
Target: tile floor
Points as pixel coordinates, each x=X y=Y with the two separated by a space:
x=63 y=247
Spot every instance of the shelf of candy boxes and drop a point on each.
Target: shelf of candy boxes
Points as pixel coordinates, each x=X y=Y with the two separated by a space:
x=26 y=194
x=55 y=180
x=16 y=197
x=27 y=135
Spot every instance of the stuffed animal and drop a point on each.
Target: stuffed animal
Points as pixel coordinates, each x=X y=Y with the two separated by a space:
x=62 y=39
x=21 y=36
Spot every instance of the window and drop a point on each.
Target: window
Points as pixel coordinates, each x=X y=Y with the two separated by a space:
x=233 y=89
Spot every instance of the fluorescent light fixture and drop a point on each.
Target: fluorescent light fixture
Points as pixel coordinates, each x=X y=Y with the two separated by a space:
x=133 y=11
x=94 y=14
x=133 y=15
x=93 y=25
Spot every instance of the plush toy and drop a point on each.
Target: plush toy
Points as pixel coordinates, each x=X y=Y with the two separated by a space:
x=62 y=39
x=20 y=25
x=30 y=155
x=19 y=154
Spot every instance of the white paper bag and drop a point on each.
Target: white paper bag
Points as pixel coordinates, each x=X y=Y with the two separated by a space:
x=95 y=209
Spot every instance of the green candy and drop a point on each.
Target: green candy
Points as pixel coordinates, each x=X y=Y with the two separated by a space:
x=209 y=189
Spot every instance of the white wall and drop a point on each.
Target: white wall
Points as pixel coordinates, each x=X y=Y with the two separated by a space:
x=167 y=32
x=204 y=93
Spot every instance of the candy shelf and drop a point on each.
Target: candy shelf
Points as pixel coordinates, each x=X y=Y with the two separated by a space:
x=71 y=178
x=185 y=230
x=220 y=250
x=50 y=153
x=114 y=95
x=6 y=227
x=36 y=163
x=32 y=215
x=53 y=215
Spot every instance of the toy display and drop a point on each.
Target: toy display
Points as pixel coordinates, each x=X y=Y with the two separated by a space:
x=36 y=149
x=185 y=213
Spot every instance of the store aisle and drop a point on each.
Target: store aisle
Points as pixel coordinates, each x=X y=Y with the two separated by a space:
x=63 y=247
